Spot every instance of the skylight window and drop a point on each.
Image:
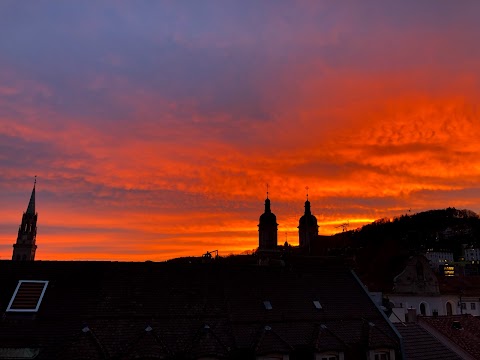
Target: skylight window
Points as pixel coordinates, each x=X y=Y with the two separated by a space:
x=317 y=304
x=27 y=296
x=268 y=305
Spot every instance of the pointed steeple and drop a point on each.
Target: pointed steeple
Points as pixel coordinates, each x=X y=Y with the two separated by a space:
x=31 y=203
x=25 y=247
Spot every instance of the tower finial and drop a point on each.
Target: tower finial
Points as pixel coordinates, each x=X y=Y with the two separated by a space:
x=35 y=181
x=267 y=190
x=306 y=188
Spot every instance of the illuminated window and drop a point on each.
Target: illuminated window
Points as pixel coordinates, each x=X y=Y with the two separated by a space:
x=268 y=305
x=449 y=270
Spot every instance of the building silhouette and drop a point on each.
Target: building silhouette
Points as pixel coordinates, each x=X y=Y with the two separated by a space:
x=225 y=309
x=25 y=247
x=267 y=229
x=307 y=228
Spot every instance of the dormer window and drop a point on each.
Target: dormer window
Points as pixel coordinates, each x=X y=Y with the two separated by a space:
x=329 y=355
x=273 y=357
x=381 y=354
x=28 y=296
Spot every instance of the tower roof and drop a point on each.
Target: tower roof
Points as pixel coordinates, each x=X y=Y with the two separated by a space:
x=307 y=208
x=308 y=218
x=268 y=216
x=31 y=203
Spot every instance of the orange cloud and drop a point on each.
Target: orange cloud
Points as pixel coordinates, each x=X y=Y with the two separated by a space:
x=159 y=142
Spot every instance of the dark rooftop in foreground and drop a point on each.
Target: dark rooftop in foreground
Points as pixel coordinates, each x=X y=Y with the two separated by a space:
x=192 y=310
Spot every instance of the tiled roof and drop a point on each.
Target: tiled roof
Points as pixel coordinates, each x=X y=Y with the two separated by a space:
x=463 y=330
x=208 y=343
x=191 y=309
x=149 y=344
x=465 y=285
x=84 y=345
x=269 y=341
x=421 y=345
x=325 y=339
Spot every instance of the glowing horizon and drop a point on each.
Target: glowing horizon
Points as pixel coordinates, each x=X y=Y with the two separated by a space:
x=153 y=128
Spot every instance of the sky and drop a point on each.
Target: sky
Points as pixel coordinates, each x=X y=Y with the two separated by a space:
x=153 y=127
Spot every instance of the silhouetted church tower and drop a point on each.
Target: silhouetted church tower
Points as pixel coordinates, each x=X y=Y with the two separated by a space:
x=307 y=227
x=267 y=228
x=25 y=247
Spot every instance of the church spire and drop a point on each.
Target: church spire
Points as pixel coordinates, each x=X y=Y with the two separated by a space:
x=31 y=203
x=25 y=246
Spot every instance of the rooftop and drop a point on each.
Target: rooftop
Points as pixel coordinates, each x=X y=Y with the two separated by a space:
x=106 y=309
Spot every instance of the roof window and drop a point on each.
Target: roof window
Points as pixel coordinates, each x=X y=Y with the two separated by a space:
x=317 y=304
x=268 y=305
x=27 y=296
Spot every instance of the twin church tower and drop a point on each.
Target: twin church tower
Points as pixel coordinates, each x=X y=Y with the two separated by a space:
x=268 y=228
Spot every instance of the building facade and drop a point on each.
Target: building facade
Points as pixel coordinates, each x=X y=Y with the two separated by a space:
x=419 y=288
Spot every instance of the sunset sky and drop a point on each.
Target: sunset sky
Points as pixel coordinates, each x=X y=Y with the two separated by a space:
x=154 y=126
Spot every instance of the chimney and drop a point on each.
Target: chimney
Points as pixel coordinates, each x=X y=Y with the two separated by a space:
x=412 y=315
